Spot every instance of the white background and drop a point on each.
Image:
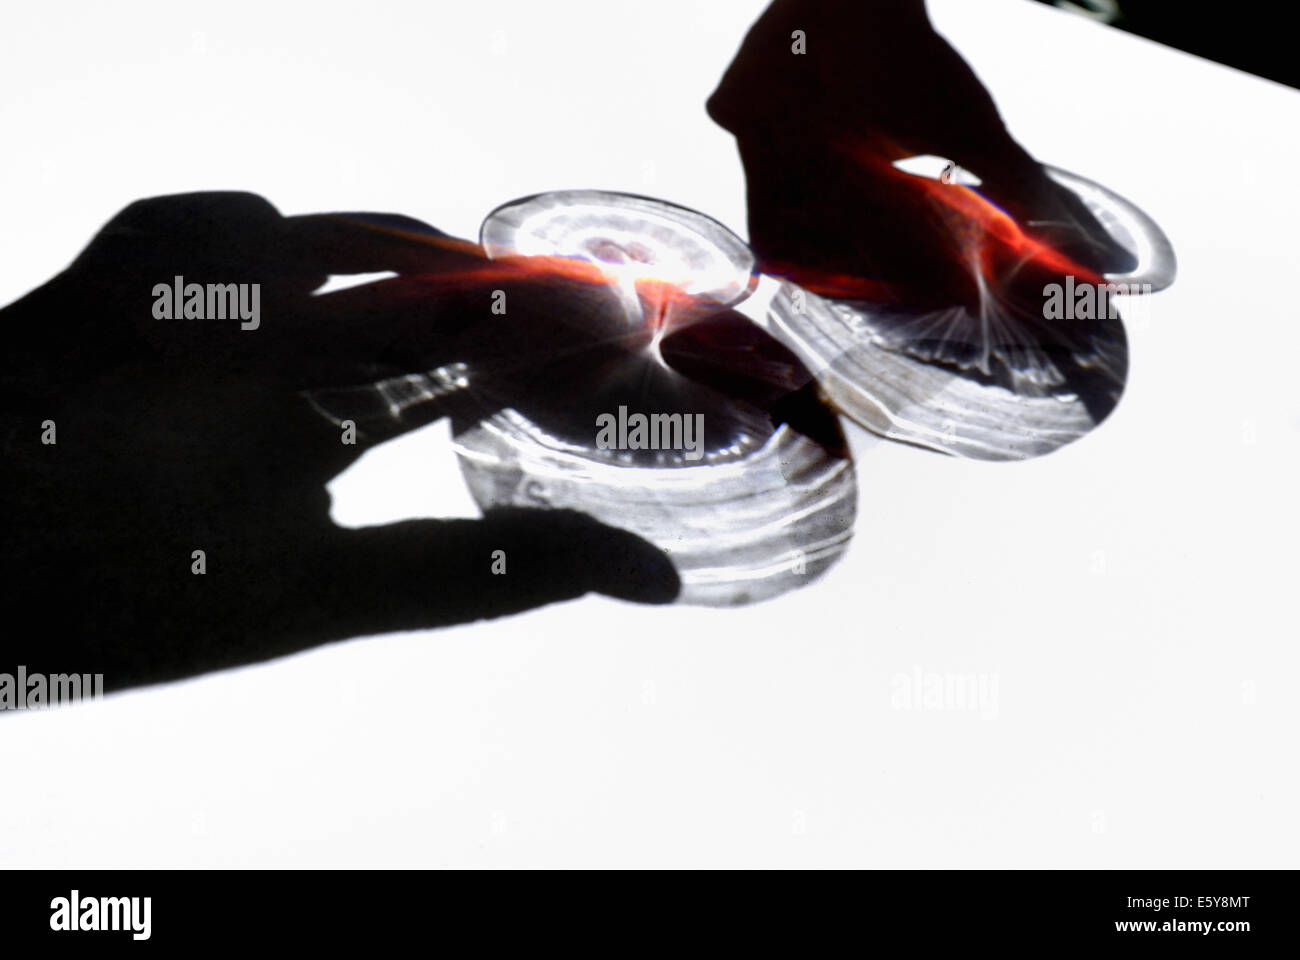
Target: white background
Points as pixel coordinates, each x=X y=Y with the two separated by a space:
x=1131 y=594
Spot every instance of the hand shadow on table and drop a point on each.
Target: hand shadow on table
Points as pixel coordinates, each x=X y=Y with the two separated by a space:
x=820 y=130
x=824 y=98
x=179 y=435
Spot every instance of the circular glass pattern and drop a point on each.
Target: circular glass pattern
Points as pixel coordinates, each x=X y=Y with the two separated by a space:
x=634 y=238
x=693 y=429
x=866 y=369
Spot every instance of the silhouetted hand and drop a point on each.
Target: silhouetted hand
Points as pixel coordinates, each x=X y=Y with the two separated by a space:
x=821 y=115
x=179 y=435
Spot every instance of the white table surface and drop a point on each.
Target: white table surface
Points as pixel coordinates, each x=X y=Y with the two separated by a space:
x=1133 y=596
